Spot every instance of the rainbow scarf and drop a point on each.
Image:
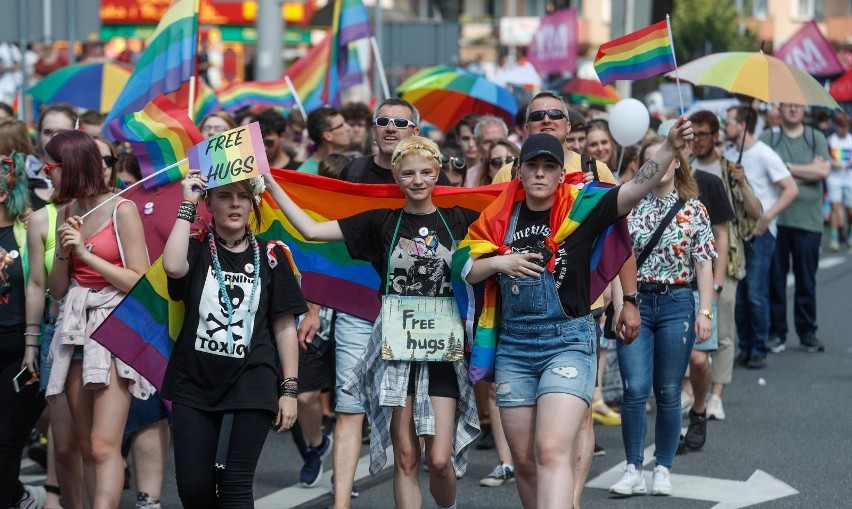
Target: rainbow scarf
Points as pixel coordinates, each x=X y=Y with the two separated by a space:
x=572 y=206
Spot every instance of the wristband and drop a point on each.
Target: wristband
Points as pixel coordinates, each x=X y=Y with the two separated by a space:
x=32 y=346
x=32 y=334
x=186 y=211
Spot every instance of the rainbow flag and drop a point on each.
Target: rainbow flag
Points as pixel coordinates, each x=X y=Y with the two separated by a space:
x=273 y=94
x=167 y=62
x=160 y=135
x=485 y=236
x=205 y=103
x=841 y=155
x=234 y=155
x=351 y=23
x=144 y=326
x=642 y=54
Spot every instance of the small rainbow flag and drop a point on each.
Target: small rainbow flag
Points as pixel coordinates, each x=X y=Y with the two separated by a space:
x=234 y=155
x=167 y=62
x=841 y=155
x=273 y=94
x=642 y=54
x=351 y=23
x=160 y=135
x=485 y=236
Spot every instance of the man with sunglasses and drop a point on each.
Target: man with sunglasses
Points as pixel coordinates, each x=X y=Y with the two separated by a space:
x=547 y=113
x=330 y=134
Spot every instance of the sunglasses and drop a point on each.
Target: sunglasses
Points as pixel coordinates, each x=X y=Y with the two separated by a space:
x=458 y=162
x=399 y=123
x=497 y=162
x=110 y=161
x=553 y=114
x=336 y=128
x=47 y=168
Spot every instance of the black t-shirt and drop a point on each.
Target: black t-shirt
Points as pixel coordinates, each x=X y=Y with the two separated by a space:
x=711 y=192
x=11 y=280
x=204 y=372
x=420 y=260
x=364 y=170
x=573 y=259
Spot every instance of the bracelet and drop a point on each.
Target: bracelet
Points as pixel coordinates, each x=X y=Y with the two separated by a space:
x=32 y=334
x=63 y=258
x=289 y=388
x=33 y=325
x=33 y=346
x=189 y=202
x=186 y=211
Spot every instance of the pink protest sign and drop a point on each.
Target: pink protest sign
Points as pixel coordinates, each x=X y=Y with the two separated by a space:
x=231 y=156
x=554 y=47
x=810 y=51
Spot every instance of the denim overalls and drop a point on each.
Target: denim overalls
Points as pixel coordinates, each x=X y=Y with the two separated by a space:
x=540 y=349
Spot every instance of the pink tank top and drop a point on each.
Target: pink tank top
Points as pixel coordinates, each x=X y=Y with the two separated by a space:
x=104 y=244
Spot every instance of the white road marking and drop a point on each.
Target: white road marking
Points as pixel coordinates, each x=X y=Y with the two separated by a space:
x=824 y=264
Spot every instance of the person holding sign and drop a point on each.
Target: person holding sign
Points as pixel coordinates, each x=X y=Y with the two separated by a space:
x=240 y=294
x=415 y=356
x=533 y=247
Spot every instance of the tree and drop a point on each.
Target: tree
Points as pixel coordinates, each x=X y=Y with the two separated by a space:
x=700 y=28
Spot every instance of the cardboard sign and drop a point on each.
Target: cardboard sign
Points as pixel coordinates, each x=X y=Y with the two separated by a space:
x=232 y=156
x=554 y=46
x=421 y=329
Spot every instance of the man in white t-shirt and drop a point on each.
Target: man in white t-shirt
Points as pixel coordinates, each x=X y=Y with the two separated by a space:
x=774 y=186
x=839 y=181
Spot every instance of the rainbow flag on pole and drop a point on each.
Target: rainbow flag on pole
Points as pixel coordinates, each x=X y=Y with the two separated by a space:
x=167 y=62
x=351 y=23
x=160 y=135
x=642 y=54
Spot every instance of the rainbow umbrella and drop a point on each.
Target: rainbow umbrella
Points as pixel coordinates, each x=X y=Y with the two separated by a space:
x=591 y=91
x=756 y=75
x=426 y=72
x=92 y=86
x=446 y=97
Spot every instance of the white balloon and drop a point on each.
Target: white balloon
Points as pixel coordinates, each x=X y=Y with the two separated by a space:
x=629 y=121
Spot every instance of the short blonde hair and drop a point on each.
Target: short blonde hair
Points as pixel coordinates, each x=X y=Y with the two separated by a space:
x=415 y=145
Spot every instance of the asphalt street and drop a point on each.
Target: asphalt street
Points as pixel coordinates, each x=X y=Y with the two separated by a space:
x=784 y=444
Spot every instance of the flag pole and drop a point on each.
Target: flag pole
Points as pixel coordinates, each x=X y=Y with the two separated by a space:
x=131 y=186
x=381 y=68
x=674 y=57
x=296 y=97
x=191 y=103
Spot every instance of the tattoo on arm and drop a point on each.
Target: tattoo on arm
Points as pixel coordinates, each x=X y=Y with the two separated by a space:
x=648 y=170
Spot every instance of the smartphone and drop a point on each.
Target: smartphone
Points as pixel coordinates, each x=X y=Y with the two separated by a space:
x=22 y=379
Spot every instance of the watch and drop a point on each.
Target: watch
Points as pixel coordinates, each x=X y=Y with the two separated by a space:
x=717 y=288
x=707 y=313
x=633 y=298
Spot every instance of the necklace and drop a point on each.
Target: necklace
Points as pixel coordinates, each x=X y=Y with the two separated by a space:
x=217 y=267
x=420 y=213
x=234 y=243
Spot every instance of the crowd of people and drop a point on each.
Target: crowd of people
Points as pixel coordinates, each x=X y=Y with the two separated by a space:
x=709 y=213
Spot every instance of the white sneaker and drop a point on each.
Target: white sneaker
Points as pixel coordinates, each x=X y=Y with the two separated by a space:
x=631 y=483
x=686 y=401
x=714 y=408
x=33 y=498
x=662 y=481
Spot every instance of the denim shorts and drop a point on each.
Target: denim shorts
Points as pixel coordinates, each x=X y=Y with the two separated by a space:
x=351 y=335
x=555 y=356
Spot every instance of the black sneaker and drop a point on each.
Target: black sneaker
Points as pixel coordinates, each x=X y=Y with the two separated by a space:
x=599 y=451
x=811 y=344
x=776 y=344
x=756 y=363
x=696 y=433
x=742 y=359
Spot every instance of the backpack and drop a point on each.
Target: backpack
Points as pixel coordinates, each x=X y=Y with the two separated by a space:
x=775 y=137
x=357 y=169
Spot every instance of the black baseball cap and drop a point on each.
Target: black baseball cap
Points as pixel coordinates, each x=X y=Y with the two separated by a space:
x=543 y=144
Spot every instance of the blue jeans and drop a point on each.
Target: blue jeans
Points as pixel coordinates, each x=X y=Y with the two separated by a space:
x=658 y=357
x=803 y=246
x=351 y=334
x=752 y=309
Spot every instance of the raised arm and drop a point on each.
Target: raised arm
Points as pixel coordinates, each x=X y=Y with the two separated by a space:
x=650 y=174
x=307 y=226
x=174 y=253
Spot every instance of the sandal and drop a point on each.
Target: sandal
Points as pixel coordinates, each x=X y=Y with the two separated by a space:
x=604 y=415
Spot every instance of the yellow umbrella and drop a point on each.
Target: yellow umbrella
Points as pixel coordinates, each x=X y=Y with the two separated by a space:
x=756 y=75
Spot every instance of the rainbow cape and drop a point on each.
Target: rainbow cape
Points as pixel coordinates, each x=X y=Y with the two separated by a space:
x=143 y=328
x=160 y=135
x=167 y=62
x=642 y=54
x=485 y=236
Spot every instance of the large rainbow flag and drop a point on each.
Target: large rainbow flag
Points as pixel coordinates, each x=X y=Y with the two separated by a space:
x=167 y=62
x=642 y=54
x=143 y=328
x=486 y=235
x=160 y=135
x=351 y=23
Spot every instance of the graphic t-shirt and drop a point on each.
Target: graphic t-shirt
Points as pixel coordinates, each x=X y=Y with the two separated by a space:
x=420 y=259
x=573 y=258
x=11 y=279
x=841 y=150
x=205 y=370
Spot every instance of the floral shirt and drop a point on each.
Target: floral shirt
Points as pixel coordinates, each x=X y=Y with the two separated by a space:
x=686 y=240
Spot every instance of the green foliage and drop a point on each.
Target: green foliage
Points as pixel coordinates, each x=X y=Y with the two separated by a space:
x=702 y=27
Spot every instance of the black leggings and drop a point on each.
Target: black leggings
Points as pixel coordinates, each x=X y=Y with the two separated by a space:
x=196 y=436
x=18 y=414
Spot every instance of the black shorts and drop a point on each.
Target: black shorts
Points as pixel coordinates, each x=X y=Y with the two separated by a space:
x=316 y=373
x=442 y=380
